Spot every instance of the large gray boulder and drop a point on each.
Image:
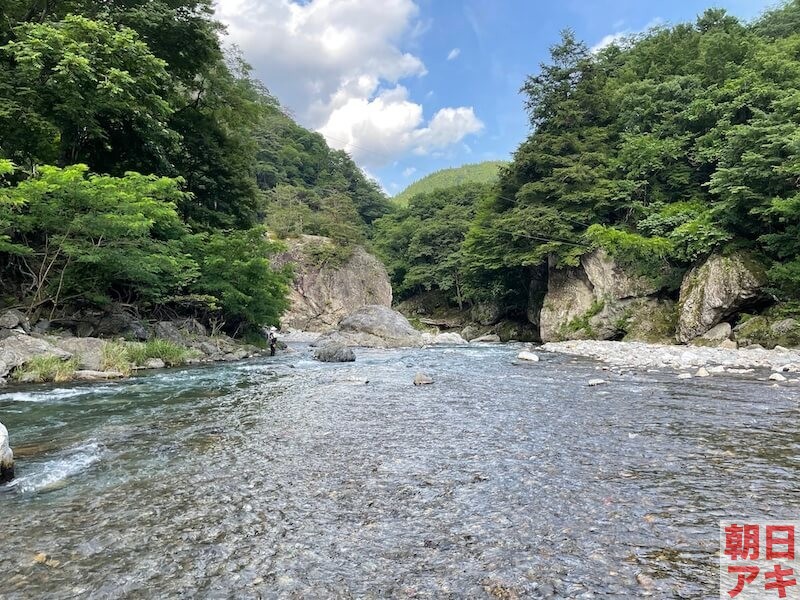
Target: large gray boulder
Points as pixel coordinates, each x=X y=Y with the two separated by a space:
x=6 y=457
x=591 y=301
x=325 y=290
x=88 y=351
x=374 y=327
x=18 y=349
x=334 y=352
x=13 y=318
x=720 y=287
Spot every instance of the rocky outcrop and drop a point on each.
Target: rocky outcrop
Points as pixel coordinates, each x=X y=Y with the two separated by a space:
x=374 y=326
x=768 y=330
x=17 y=349
x=334 y=352
x=328 y=287
x=595 y=300
x=6 y=457
x=719 y=288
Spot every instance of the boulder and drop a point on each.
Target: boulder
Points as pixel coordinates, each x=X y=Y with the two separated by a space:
x=6 y=457
x=89 y=351
x=154 y=363
x=422 y=379
x=486 y=313
x=193 y=327
x=470 y=332
x=528 y=356
x=702 y=372
x=334 y=352
x=167 y=330
x=777 y=377
x=490 y=338
x=327 y=288
x=449 y=339
x=596 y=382
x=784 y=327
x=728 y=345
x=720 y=287
x=14 y=318
x=17 y=349
x=374 y=326
x=516 y=331
x=715 y=335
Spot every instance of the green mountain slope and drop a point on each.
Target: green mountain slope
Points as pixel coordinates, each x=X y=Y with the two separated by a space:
x=485 y=172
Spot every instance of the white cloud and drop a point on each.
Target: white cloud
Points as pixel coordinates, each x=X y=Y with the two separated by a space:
x=409 y=171
x=619 y=36
x=338 y=64
x=454 y=54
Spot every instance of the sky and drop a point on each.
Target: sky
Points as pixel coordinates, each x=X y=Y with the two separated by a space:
x=409 y=87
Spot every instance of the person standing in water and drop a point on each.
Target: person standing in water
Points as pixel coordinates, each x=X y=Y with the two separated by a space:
x=273 y=341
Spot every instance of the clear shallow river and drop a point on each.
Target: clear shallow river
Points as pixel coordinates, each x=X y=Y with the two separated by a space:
x=291 y=478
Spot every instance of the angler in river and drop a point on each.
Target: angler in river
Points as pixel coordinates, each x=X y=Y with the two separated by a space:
x=290 y=477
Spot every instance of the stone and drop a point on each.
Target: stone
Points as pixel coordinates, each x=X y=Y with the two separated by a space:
x=138 y=331
x=88 y=351
x=685 y=376
x=449 y=339
x=6 y=457
x=470 y=332
x=193 y=327
x=89 y=375
x=490 y=338
x=334 y=352
x=167 y=330
x=716 y=369
x=702 y=372
x=777 y=377
x=17 y=349
x=780 y=349
x=42 y=326
x=486 y=313
x=154 y=363
x=720 y=287
x=718 y=333
x=517 y=331
x=324 y=293
x=529 y=356
x=11 y=319
x=784 y=326
x=422 y=379
x=728 y=345
x=374 y=326
x=596 y=382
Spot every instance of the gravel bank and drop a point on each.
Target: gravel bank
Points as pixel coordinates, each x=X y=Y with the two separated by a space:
x=639 y=355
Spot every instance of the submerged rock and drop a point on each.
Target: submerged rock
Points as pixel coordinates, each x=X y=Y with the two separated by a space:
x=333 y=352
x=6 y=457
x=422 y=379
x=719 y=288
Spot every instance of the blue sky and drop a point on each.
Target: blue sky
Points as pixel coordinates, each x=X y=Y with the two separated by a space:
x=412 y=86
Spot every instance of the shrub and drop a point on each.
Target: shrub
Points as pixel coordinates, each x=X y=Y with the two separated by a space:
x=172 y=354
x=46 y=368
x=115 y=357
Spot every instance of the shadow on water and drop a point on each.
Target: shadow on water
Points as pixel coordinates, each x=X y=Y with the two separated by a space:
x=294 y=478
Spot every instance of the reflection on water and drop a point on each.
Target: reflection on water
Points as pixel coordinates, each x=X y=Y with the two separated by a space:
x=289 y=477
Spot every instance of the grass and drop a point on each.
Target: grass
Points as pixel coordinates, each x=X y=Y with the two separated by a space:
x=46 y=368
x=172 y=354
x=115 y=357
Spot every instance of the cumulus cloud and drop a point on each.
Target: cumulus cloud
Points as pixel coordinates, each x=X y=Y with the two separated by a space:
x=620 y=36
x=454 y=54
x=338 y=65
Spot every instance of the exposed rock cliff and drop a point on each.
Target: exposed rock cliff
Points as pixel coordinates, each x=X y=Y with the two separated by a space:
x=600 y=300
x=720 y=287
x=329 y=284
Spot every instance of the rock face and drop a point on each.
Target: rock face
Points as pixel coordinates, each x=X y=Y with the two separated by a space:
x=718 y=288
x=600 y=300
x=374 y=326
x=17 y=349
x=334 y=352
x=325 y=291
x=768 y=330
x=6 y=457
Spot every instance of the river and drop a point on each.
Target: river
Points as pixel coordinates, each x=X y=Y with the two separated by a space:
x=291 y=478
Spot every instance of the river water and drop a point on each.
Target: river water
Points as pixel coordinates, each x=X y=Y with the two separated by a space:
x=291 y=478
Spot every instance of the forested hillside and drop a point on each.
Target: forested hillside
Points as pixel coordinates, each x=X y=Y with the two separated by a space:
x=140 y=163
x=661 y=149
x=485 y=172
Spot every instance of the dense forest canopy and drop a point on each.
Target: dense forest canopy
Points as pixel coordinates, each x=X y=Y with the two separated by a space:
x=485 y=172
x=140 y=162
x=661 y=148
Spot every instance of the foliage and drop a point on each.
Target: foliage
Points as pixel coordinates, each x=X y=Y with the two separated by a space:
x=114 y=357
x=173 y=355
x=485 y=172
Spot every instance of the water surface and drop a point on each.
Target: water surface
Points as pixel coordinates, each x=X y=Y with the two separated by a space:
x=290 y=478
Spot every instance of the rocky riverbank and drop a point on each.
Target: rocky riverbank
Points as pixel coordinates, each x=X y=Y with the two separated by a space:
x=691 y=360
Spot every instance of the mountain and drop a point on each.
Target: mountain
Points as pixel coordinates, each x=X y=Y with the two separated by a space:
x=485 y=172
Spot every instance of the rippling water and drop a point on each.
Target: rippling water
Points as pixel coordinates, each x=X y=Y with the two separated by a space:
x=292 y=478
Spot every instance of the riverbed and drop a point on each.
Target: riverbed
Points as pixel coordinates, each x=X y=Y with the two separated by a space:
x=291 y=478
